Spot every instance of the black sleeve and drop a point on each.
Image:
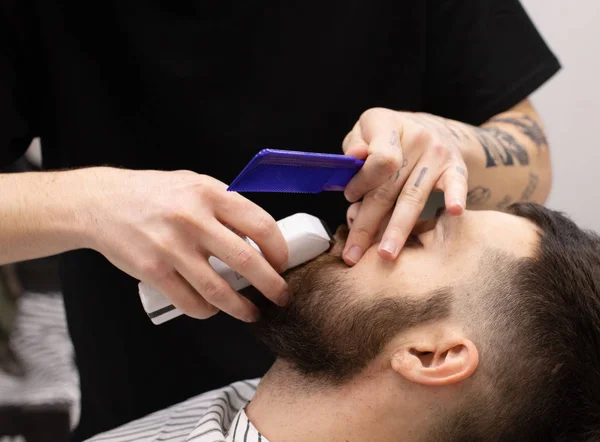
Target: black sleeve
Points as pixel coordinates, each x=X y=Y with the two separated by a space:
x=483 y=57
x=16 y=107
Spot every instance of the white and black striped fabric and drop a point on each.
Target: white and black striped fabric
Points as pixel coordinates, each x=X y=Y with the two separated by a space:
x=45 y=400
x=41 y=341
x=216 y=416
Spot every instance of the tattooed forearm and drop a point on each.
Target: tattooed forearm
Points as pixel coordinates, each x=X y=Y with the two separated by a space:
x=478 y=196
x=500 y=147
x=531 y=187
x=506 y=201
x=528 y=126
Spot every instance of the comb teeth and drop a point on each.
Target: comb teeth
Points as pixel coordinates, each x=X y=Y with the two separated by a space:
x=295 y=172
x=283 y=178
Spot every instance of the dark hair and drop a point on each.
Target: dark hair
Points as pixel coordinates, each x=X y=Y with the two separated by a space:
x=541 y=378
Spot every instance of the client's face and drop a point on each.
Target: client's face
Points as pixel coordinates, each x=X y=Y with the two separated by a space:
x=340 y=318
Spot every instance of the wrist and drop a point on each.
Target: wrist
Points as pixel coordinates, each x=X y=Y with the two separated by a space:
x=470 y=149
x=87 y=205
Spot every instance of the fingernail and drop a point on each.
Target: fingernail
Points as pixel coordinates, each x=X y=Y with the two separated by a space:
x=284 y=298
x=389 y=246
x=354 y=254
x=349 y=196
x=459 y=204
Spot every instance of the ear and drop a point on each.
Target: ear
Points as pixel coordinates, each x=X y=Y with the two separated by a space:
x=436 y=363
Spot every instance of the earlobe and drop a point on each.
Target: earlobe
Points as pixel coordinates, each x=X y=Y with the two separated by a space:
x=436 y=365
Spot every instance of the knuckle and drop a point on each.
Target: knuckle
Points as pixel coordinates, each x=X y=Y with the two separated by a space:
x=387 y=162
x=186 y=173
x=440 y=150
x=383 y=195
x=204 y=190
x=243 y=257
x=165 y=245
x=206 y=193
x=205 y=180
x=156 y=269
x=213 y=291
x=201 y=183
x=422 y=136
x=265 y=226
x=175 y=214
x=373 y=113
x=413 y=195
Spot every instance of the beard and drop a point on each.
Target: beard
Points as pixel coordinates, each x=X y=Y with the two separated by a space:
x=330 y=331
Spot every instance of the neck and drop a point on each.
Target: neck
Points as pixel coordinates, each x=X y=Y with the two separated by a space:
x=288 y=407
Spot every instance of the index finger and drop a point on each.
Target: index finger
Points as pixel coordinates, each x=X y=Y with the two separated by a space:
x=252 y=221
x=410 y=204
x=248 y=262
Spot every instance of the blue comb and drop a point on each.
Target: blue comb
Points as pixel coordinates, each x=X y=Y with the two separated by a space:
x=287 y=171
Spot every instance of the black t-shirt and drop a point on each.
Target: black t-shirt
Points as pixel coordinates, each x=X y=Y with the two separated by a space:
x=183 y=85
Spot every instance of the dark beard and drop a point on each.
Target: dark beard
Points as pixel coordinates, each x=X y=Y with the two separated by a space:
x=330 y=331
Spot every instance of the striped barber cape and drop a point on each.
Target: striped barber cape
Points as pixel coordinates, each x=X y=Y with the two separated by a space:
x=215 y=416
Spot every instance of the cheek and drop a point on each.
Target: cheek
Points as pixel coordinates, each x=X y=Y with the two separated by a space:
x=418 y=271
x=415 y=271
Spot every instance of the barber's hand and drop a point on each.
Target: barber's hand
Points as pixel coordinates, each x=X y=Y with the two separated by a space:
x=407 y=156
x=161 y=228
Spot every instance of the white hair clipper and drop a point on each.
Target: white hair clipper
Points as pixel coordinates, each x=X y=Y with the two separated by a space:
x=306 y=236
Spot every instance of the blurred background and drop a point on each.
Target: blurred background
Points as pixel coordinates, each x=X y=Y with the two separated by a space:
x=39 y=396
x=570 y=104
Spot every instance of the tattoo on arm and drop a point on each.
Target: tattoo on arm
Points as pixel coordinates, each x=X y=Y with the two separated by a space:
x=478 y=196
x=500 y=147
x=453 y=131
x=531 y=187
x=421 y=175
x=506 y=201
x=529 y=127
